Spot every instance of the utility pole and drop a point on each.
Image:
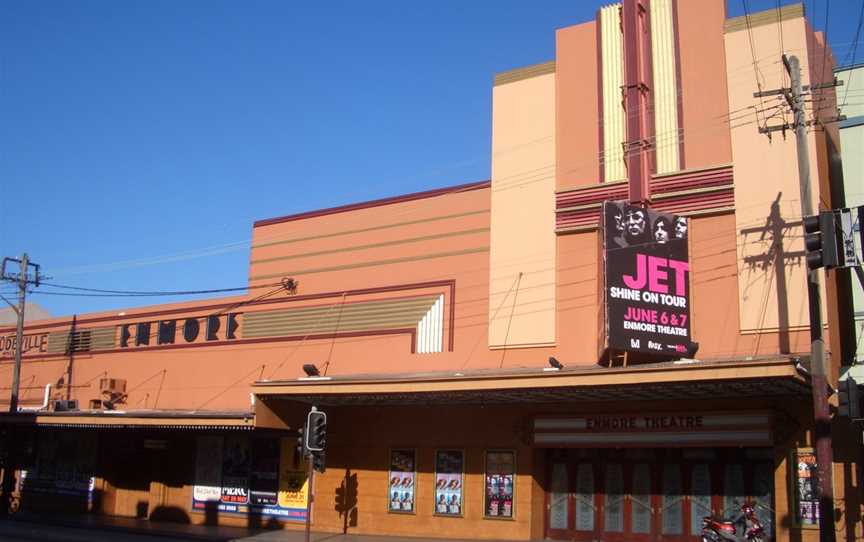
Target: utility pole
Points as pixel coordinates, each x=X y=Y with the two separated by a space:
x=22 y=281
x=8 y=485
x=819 y=382
x=818 y=379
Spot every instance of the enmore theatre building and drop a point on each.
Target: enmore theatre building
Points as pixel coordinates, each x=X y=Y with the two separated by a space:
x=487 y=368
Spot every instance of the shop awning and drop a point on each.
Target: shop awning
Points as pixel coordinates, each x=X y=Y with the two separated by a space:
x=772 y=377
x=137 y=419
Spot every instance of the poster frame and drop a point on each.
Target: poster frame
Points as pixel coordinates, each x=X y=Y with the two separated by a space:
x=413 y=511
x=486 y=453
x=435 y=512
x=793 y=487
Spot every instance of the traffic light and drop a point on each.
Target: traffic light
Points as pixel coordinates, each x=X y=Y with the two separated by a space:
x=319 y=462
x=299 y=448
x=820 y=240
x=850 y=405
x=316 y=430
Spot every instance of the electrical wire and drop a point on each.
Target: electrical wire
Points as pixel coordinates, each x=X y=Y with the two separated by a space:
x=854 y=52
x=155 y=292
x=756 y=71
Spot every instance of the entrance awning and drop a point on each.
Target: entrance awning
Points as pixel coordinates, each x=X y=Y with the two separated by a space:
x=672 y=380
x=135 y=419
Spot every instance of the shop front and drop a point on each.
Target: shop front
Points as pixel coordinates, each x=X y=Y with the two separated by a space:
x=654 y=476
x=628 y=454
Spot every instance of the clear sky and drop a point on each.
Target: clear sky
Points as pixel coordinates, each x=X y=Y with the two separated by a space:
x=139 y=140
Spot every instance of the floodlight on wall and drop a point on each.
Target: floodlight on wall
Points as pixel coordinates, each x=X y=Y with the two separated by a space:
x=310 y=370
x=555 y=363
x=290 y=285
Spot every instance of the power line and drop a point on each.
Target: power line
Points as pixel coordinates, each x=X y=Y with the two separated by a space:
x=124 y=293
x=756 y=71
x=854 y=51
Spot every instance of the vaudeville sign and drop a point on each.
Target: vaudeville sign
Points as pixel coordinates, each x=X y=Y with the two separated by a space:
x=647 y=281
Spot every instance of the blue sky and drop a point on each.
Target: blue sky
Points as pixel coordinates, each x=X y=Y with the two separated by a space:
x=140 y=140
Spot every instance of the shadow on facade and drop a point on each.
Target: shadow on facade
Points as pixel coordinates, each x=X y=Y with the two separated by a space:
x=346 y=500
x=776 y=258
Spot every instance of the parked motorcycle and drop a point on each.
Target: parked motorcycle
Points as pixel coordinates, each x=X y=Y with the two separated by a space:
x=726 y=530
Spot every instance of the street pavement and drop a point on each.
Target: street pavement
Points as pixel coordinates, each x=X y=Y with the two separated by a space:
x=95 y=529
x=21 y=531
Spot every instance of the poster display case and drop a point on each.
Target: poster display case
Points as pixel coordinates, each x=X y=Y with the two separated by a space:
x=449 y=477
x=403 y=481
x=500 y=481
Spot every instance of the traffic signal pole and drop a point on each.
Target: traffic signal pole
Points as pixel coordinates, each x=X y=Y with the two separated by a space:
x=310 y=495
x=819 y=382
x=314 y=441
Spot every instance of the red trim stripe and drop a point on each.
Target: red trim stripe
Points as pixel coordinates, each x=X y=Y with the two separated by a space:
x=720 y=196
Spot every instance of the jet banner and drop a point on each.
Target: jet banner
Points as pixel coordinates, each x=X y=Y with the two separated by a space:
x=647 y=281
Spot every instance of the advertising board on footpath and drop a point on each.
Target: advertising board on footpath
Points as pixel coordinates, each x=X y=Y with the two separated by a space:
x=646 y=275
x=241 y=475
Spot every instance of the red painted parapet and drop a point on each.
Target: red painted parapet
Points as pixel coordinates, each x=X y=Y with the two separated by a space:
x=688 y=192
x=637 y=99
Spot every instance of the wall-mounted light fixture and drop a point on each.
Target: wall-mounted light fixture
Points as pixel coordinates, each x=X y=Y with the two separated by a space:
x=310 y=370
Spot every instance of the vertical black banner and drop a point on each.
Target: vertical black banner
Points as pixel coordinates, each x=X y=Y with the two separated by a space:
x=646 y=269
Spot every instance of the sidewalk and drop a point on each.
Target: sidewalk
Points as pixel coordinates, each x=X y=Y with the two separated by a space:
x=201 y=533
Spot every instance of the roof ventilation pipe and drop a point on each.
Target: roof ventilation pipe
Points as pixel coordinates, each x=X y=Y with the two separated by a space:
x=44 y=402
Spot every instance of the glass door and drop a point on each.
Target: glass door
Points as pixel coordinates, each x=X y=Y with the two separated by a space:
x=671 y=522
x=559 y=503
x=585 y=501
x=700 y=496
x=640 y=520
x=652 y=495
x=614 y=500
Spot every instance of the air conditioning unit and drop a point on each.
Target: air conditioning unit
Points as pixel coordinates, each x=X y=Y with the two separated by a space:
x=65 y=405
x=112 y=385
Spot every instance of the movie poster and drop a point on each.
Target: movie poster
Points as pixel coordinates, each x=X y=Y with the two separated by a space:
x=647 y=281
x=448 y=482
x=242 y=475
x=500 y=480
x=293 y=481
x=807 y=488
x=402 y=481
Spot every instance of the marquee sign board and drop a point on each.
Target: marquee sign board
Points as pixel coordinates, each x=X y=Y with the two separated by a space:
x=646 y=276
x=640 y=429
